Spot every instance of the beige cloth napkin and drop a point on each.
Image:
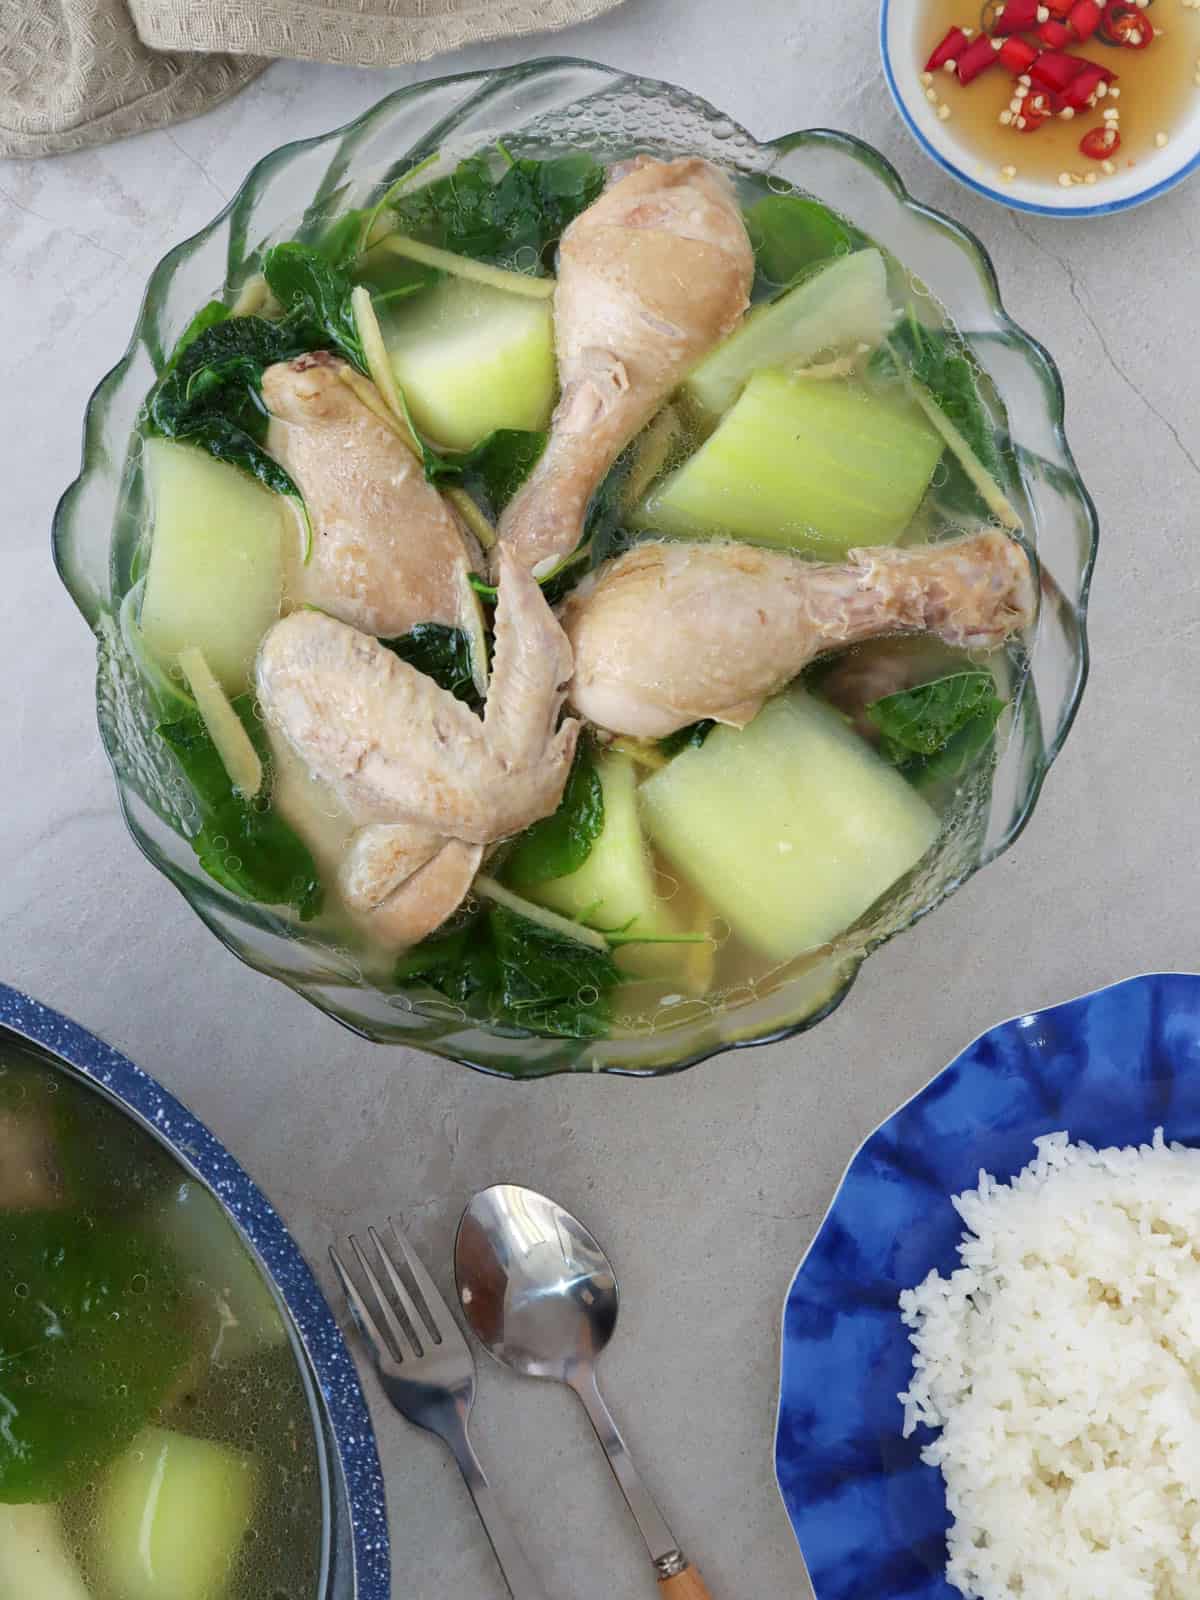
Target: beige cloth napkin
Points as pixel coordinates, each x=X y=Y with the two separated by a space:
x=81 y=72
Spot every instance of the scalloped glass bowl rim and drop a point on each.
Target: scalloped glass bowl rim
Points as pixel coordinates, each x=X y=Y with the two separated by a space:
x=857 y=150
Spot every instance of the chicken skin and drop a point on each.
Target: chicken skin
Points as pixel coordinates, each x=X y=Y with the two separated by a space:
x=650 y=277
x=668 y=634
x=388 y=552
x=424 y=781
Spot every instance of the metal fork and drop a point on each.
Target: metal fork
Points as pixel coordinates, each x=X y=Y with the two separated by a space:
x=428 y=1373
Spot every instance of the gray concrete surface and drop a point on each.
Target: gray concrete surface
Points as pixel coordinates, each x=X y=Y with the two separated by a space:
x=707 y=1187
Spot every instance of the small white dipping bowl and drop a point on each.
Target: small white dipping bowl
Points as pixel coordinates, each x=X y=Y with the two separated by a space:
x=899 y=27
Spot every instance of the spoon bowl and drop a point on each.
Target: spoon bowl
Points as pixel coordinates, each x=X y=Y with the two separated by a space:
x=538 y=1291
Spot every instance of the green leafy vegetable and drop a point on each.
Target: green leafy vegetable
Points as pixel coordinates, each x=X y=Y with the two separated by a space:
x=510 y=971
x=207 y=317
x=443 y=654
x=689 y=738
x=241 y=843
x=938 y=360
x=560 y=844
x=91 y=1337
x=210 y=393
x=492 y=205
x=496 y=467
x=315 y=297
x=791 y=233
x=936 y=730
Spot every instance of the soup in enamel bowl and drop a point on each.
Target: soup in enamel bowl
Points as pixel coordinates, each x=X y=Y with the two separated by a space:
x=157 y=1435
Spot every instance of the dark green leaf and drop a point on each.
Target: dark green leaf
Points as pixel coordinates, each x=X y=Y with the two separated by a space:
x=937 y=730
x=207 y=317
x=315 y=297
x=957 y=755
x=548 y=983
x=495 y=469
x=210 y=394
x=689 y=738
x=243 y=844
x=938 y=359
x=491 y=206
x=93 y=1333
x=442 y=653
x=509 y=971
x=921 y=720
x=560 y=844
x=791 y=233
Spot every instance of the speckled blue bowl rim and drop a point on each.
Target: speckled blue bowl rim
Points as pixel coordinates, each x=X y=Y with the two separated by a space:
x=337 y=1378
x=1069 y=212
x=930 y=1087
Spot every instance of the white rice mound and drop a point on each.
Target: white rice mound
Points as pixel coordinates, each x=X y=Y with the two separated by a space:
x=1062 y=1364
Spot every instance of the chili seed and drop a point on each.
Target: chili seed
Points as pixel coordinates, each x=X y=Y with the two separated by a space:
x=943 y=113
x=1160 y=140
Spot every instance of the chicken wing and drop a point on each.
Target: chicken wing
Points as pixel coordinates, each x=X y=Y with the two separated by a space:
x=668 y=634
x=650 y=278
x=396 y=747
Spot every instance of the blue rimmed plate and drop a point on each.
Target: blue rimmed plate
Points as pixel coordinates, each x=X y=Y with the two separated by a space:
x=358 y=1565
x=1110 y=1068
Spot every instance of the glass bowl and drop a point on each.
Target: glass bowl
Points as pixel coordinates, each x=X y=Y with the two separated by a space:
x=355 y=1562
x=539 y=108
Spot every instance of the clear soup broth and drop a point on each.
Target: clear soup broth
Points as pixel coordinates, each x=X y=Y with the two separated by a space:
x=727 y=860
x=156 y=1439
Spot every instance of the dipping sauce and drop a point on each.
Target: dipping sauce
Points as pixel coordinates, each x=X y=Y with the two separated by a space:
x=1128 y=120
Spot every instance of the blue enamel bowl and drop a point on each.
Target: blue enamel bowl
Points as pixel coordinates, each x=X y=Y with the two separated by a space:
x=356 y=1558
x=1110 y=1068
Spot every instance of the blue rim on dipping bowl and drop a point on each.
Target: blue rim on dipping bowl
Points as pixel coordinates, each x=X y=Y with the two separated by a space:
x=357 y=1560
x=1156 y=174
x=540 y=108
x=1108 y=1068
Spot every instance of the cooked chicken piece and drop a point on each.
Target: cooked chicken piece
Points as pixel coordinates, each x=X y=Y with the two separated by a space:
x=388 y=552
x=394 y=747
x=417 y=899
x=668 y=634
x=650 y=277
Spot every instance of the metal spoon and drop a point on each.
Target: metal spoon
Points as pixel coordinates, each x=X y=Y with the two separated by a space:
x=541 y=1296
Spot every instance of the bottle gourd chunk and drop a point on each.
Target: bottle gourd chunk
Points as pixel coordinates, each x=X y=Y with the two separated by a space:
x=470 y=358
x=803 y=464
x=615 y=888
x=790 y=827
x=215 y=578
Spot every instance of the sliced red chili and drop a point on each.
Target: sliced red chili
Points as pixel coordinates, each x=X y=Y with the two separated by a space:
x=1018 y=56
x=1058 y=8
x=1035 y=108
x=951 y=47
x=1100 y=143
x=1085 y=17
x=1127 y=25
x=1015 y=16
x=1081 y=91
x=1055 y=35
x=979 y=55
x=1055 y=69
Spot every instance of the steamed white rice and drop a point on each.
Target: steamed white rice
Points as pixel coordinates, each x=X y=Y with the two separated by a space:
x=1061 y=1363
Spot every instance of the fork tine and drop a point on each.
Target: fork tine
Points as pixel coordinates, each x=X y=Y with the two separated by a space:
x=437 y=1313
x=358 y=1310
x=400 y=1289
x=404 y=1340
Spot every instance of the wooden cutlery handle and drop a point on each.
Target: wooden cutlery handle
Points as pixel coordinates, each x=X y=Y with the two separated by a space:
x=685 y=1585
